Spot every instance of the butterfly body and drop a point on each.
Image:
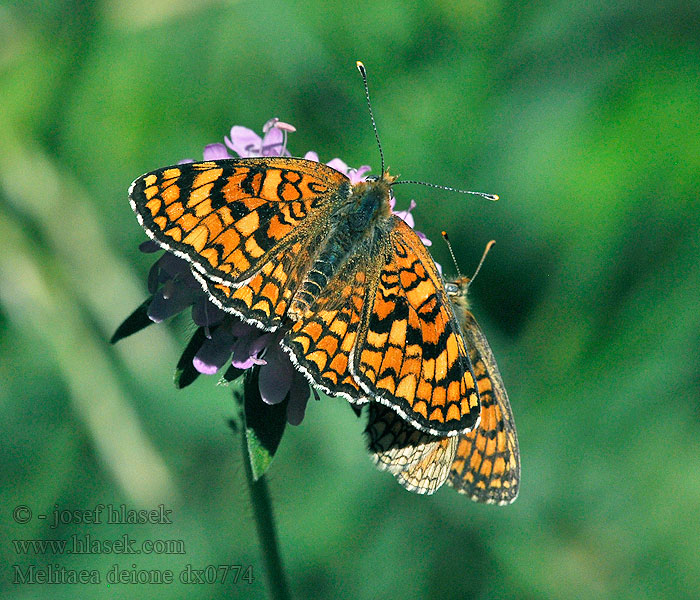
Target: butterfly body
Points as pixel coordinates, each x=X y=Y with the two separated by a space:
x=290 y=244
x=366 y=208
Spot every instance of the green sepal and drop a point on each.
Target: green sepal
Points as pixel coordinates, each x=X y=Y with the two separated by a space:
x=185 y=373
x=231 y=374
x=136 y=321
x=264 y=425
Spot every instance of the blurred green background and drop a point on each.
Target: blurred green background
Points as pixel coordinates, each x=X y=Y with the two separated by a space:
x=583 y=117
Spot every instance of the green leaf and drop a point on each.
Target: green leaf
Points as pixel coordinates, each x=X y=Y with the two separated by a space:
x=264 y=425
x=231 y=374
x=136 y=321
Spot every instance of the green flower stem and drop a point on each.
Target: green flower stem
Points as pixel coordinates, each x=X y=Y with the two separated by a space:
x=265 y=524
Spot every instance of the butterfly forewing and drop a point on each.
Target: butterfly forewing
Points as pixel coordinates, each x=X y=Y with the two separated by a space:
x=411 y=354
x=230 y=217
x=265 y=297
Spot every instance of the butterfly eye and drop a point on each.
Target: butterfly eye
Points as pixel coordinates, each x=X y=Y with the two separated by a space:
x=452 y=289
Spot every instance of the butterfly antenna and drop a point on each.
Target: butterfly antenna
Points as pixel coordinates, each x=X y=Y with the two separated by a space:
x=492 y=197
x=452 y=254
x=363 y=72
x=490 y=245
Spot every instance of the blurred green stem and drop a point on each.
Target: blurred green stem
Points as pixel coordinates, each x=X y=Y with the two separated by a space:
x=265 y=524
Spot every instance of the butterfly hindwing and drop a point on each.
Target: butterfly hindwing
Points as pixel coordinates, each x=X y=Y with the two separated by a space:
x=420 y=462
x=487 y=462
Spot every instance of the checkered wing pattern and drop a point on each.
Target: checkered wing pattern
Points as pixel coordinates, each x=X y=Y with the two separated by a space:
x=411 y=353
x=483 y=463
x=420 y=462
x=245 y=225
x=487 y=463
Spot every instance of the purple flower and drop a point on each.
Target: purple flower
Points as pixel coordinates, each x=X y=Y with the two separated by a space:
x=245 y=346
x=245 y=142
x=232 y=341
x=228 y=339
x=408 y=218
x=354 y=175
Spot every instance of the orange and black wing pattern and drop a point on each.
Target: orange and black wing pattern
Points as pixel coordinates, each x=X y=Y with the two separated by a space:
x=484 y=463
x=487 y=463
x=243 y=224
x=322 y=341
x=410 y=354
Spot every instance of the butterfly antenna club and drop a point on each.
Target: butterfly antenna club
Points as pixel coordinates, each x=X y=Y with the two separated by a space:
x=363 y=72
x=452 y=254
x=492 y=197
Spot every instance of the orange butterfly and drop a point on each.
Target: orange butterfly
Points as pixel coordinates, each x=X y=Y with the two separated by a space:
x=292 y=245
x=484 y=463
x=288 y=242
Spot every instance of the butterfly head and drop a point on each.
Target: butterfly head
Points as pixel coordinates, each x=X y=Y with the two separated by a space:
x=457 y=289
x=375 y=194
x=457 y=292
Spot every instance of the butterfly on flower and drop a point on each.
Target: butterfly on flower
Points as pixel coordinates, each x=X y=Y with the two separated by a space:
x=292 y=246
x=484 y=463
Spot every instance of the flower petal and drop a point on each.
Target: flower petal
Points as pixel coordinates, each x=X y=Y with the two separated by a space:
x=215 y=152
x=338 y=165
x=202 y=366
x=273 y=143
x=244 y=361
x=311 y=155
x=357 y=175
x=406 y=214
x=242 y=329
x=214 y=353
x=205 y=313
x=249 y=345
x=424 y=238
x=169 y=301
x=269 y=124
x=298 y=398
x=276 y=376
x=242 y=358
x=154 y=277
x=259 y=343
x=174 y=266
x=149 y=246
x=244 y=142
